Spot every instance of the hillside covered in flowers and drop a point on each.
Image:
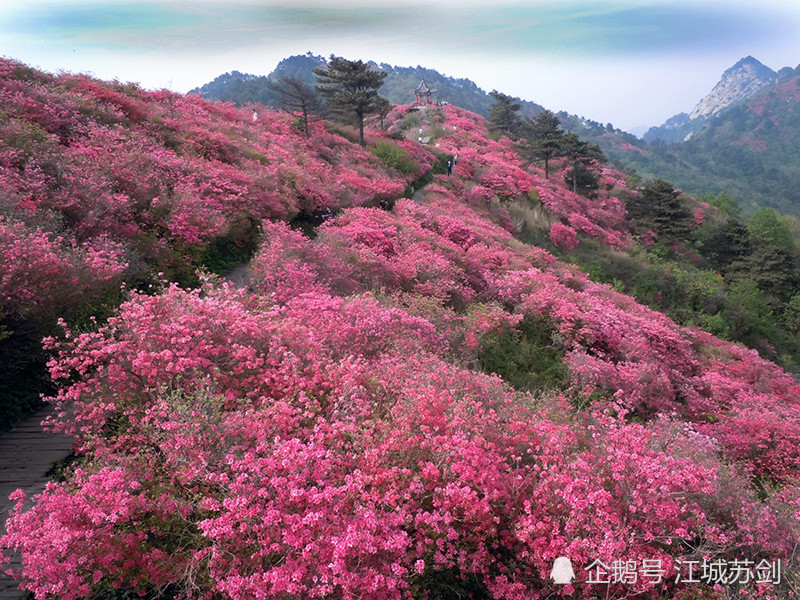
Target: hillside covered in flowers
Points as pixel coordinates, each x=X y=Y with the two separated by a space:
x=418 y=396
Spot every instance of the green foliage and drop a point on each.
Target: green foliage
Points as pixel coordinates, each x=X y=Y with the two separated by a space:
x=659 y=208
x=383 y=107
x=791 y=313
x=767 y=226
x=440 y=166
x=724 y=244
x=225 y=253
x=773 y=268
x=581 y=154
x=526 y=356
x=24 y=362
x=395 y=157
x=582 y=180
x=411 y=120
x=748 y=315
x=716 y=325
x=449 y=584
x=723 y=202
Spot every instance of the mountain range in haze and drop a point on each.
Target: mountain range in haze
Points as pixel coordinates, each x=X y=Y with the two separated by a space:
x=242 y=88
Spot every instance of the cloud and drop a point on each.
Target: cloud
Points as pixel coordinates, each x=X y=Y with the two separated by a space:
x=566 y=27
x=150 y=25
x=589 y=28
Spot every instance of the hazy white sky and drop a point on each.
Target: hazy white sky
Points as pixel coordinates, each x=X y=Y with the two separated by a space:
x=629 y=62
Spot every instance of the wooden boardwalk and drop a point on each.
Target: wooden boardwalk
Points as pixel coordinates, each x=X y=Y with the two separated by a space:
x=26 y=454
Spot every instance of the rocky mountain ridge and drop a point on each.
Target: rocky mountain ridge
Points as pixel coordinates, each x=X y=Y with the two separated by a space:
x=742 y=81
x=749 y=150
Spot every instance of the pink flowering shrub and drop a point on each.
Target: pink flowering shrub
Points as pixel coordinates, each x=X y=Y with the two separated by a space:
x=318 y=444
x=563 y=237
x=699 y=215
x=43 y=274
x=115 y=160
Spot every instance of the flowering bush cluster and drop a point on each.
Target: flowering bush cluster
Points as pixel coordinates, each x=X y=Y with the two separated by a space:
x=326 y=446
x=130 y=163
x=44 y=274
x=493 y=168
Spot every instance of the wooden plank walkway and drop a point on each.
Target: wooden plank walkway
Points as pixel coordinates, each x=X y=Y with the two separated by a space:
x=26 y=454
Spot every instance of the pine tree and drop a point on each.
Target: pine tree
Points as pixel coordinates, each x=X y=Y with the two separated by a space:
x=727 y=243
x=297 y=98
x=350 y=89
x=504 y=117
x=659 y=207
x=383 y=107
x=544 y=139
x=581 y=154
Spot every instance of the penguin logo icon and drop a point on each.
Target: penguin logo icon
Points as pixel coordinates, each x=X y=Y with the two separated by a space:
x=562 y=571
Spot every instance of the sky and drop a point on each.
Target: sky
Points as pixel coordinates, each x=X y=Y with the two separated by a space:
x=633 y=63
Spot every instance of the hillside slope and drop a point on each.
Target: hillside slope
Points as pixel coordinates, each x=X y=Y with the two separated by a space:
x=722 y=146
x=408 y=402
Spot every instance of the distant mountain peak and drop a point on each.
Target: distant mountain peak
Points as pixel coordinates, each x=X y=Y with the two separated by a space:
x=741 y=81
x=749 y=59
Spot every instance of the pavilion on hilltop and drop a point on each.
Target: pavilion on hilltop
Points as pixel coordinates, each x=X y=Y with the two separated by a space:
x=423 y=94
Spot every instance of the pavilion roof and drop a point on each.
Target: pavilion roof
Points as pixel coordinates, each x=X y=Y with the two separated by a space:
x=424 y=89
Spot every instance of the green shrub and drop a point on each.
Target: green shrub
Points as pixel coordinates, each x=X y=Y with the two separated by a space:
x=411 y=120
x=526 y=356
x=449 y=584
x=394 y=157
x=24 y=369
x=224 y=253
x=440 y=166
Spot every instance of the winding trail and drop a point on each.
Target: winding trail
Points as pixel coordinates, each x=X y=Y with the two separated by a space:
x=239 y=275
x=419 y=195
x=26 y=454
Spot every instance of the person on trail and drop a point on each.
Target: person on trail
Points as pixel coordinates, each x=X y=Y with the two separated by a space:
x=449 y=167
